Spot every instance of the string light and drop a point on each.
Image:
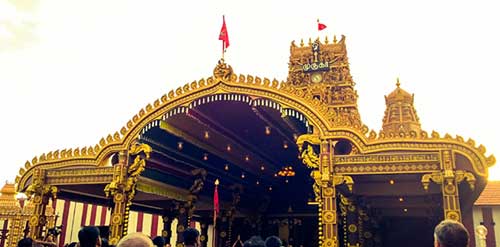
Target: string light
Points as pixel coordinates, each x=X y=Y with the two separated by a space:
x=268 y=130
x=205 y=156
x=391 y=181
x=262 y=168
x=285 y=145
x=228 y=148
x=243 y=175
x=257 y=182
x=401 y=199
x=180 y=145
x=226 y=167
x=247 y=158
x=206 y=135
x=286 y=172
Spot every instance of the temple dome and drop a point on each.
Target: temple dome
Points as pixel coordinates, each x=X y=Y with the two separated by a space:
x=399 y=95
x=400 y=114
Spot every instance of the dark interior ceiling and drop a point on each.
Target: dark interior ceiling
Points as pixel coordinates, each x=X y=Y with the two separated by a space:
x=234 y=142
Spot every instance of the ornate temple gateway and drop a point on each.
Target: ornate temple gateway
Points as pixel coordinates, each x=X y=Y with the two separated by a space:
x=293 y=159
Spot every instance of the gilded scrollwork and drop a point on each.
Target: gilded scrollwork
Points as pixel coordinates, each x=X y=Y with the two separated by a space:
x=343 y=179
x=312 y=139
x=310 y=158
x=123 y=186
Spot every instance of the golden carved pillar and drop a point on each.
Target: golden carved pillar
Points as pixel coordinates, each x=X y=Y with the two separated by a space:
x=130 y=165
x=328 y=203
x=449 y=188
x=39 y=194
x=15 y=231
x=449 y=179
x=324 y=184
x=116 y=190
x=351 y=221
x=186 y=210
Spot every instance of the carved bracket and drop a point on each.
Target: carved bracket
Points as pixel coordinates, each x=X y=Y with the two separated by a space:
x=448 y=177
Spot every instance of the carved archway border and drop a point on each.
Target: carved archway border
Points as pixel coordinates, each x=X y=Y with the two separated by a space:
x=476 y=156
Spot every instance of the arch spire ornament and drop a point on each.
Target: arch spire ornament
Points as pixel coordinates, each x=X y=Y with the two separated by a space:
x=223 y=71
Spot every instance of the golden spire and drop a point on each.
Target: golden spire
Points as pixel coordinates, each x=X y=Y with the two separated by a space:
x=8 y=200
x=400 y=115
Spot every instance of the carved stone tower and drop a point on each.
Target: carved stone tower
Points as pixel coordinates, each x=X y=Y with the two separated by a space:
x=322 y=70
x=400 y=116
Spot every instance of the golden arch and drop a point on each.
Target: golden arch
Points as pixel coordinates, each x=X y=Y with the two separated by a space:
x=317 y=114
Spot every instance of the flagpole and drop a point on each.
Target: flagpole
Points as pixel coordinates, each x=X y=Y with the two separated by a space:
x=223 y=50
x=317 y=26
x=216 y=205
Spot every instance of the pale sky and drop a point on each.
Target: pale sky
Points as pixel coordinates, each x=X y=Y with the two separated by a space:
x=73 y=71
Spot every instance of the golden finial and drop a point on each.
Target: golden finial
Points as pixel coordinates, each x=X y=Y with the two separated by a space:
x=335 y=39
x=216 y=182
x=326 y=40
x=397 y=82
x=310 y=42
x=301 y=42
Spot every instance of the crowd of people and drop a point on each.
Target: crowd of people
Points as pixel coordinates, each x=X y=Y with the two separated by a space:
x=448 y=233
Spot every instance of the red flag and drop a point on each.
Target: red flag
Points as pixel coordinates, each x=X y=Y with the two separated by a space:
x=223 y=34
x=216 y=199
x=321 y=26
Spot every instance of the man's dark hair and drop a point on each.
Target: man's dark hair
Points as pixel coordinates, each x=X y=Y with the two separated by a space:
x=159 y=241
x=450 y=233
x=190 y=235
x=88 y=236
x=254 y=241
x=25 y=242
x=104 y=242
x=273 y=241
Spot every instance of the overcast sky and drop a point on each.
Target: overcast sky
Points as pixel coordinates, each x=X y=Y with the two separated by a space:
x=73 y=71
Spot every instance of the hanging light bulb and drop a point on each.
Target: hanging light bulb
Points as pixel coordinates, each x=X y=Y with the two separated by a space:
x=262 y=168
x=285 y=144
x=226 y=167
x=257 y=182
x=268 y=130
x=180 y=145
x=295 y=136
x=206 y=135
x=270 y=188
x=247 y=158
x=228 y=148
x=243 y=175
x=205 y=156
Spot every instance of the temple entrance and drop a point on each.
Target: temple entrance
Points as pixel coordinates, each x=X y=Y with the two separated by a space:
x=285 y=209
